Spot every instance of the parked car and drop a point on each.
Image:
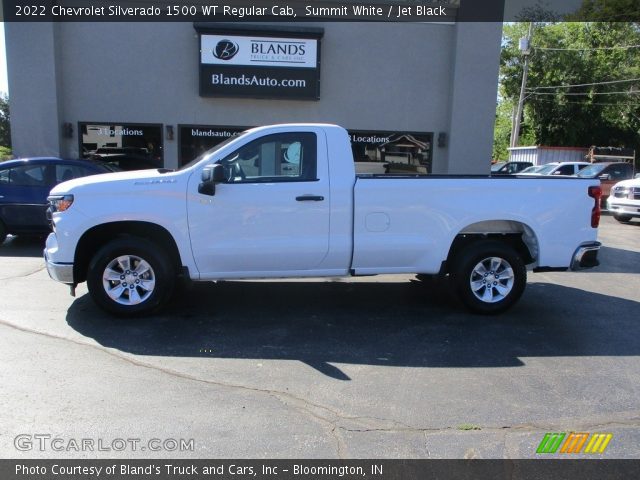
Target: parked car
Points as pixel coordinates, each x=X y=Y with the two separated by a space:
x=509 y=168
x=608 y=173
x=624 y=201
x=559 y=168
x=24 y=186
x=127 y=158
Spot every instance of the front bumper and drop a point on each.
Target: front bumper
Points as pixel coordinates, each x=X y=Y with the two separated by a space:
x=586 y=256
x=61 y=272
x=631 y=209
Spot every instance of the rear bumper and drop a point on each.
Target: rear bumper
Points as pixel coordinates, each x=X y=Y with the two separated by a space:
x=586 y=256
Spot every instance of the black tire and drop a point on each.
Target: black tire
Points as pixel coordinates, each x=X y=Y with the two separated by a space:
x=138 y=290
x=504 y=279
x=3 y=232
x=622 y=218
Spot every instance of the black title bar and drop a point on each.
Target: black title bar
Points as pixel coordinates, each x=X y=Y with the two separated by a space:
x=323 y=10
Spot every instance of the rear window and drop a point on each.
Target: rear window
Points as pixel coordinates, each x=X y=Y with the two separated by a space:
x=24 y=176
x=616 y=171
x=621 y=171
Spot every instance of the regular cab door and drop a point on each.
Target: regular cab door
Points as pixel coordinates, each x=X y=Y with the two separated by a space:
x=270 y=216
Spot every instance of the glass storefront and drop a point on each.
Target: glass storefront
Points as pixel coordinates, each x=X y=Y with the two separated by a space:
x=128 y=146
x=392 y=152
x=194 y=140
x=373 y=151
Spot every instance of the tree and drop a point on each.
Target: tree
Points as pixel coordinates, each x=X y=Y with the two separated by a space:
x=607 y=11
x=5 y=135
x=568 y=102
x=502 y=131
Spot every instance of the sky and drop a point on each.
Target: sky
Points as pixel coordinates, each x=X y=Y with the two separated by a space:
x=4 y=87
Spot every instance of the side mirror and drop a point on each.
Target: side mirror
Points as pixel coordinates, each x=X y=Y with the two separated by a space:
x=606 y=176
x=211 y=174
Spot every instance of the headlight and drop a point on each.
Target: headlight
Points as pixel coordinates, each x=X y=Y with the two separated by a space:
x=60 y=203
x=621 y=192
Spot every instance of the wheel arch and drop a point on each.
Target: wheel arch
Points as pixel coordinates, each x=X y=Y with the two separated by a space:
x=96 y=237
x=518 y=235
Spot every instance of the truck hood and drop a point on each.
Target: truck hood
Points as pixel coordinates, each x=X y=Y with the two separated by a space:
x=116 y=179
x=633 y=182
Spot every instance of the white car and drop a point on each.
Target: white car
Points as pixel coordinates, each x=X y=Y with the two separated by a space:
x=624 y=200
x=559 y=168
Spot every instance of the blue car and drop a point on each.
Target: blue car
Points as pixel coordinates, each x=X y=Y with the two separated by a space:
x=24 y=186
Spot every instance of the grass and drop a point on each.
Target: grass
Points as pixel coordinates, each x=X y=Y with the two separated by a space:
x=468 y=426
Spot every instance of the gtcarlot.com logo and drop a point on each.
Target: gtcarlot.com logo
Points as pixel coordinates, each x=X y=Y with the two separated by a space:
x=574 y=442
x=45 y=442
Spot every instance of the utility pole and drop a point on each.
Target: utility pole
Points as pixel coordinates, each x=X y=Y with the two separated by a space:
x=525 y=48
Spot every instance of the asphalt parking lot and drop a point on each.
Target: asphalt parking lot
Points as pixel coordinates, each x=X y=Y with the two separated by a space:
x=379 y=367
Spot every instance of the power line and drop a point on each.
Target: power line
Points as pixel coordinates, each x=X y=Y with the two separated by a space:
x=623 y=47
x=585 y=84
x=586 y=93
x=619 y=104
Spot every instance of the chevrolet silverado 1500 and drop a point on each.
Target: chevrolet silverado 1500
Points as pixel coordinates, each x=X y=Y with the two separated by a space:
x=284 y=201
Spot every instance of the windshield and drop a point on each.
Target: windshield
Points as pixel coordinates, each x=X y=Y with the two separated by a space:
x=592 y=170
x=534 y=169
x=209 y=152
x=497 y=166
x=547 y=169
x=111 y=167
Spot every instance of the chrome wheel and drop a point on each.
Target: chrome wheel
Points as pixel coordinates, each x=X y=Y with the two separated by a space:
x=128 y=280
x=492 y=279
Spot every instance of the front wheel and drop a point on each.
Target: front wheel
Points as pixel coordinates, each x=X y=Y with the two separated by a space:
x=489 y=277
x=3 y=232
x=130 y=276
x=622 y=218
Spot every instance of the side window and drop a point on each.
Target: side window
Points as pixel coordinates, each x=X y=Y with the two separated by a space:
x=66 y=172
x=564 y=170
x=27 y=176
x=4 y=176
x=620 y=172
x=274 y=158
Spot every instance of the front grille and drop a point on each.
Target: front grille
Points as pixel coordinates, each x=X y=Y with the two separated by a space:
x=630 y=193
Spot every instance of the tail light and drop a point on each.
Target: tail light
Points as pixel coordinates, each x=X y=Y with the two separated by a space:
x=595 y=192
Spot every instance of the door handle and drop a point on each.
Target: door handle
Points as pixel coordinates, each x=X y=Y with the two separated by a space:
x=309 y=198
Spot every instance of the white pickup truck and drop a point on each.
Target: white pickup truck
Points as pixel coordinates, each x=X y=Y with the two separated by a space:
x=284 y=201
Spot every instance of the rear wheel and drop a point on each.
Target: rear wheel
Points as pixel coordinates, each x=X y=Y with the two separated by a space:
x=489 y=276
x=130 y=276
x=622 y=218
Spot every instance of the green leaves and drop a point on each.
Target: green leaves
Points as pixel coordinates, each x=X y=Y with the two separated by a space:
x=5 y=137
x=577 y=91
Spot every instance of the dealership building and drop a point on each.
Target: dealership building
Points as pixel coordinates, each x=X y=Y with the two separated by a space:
x=416 y=94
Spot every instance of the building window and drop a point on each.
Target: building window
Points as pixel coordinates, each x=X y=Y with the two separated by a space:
x=194 y=140
x=392 y=152
x=128 y=146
